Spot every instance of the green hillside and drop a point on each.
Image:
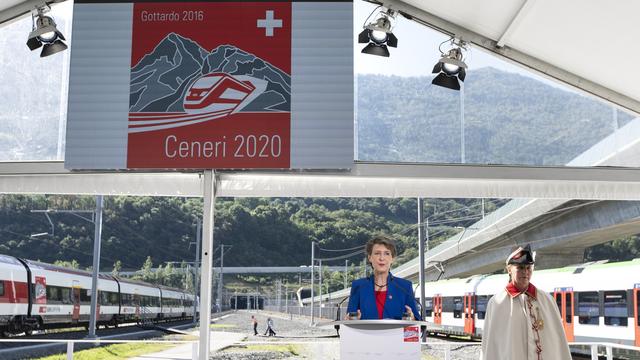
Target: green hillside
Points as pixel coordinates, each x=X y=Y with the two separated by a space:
x=263 y=232
x=509 y=119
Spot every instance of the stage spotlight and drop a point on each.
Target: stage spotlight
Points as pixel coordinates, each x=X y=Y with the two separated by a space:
x=44 y=32
x=451 y=67
x=378 y=35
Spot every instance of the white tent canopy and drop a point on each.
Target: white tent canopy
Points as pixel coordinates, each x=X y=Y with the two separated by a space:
x=590 y=45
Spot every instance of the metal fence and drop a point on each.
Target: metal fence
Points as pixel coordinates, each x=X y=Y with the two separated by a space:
x=326 y=313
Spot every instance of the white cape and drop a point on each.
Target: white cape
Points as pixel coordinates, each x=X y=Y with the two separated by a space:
x=508 y=332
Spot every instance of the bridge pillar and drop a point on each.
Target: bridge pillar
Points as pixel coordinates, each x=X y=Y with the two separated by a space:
x=555 y=259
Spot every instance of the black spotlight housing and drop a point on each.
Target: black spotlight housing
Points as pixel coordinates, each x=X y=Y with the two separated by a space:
x=378 y=36
x=450 y=69
x=45 y=34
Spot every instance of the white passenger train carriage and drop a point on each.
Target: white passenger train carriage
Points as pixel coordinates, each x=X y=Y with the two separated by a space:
x=139 y=300
x=172 y=303
x=35 y=295
x=14 y=293
x=597 y=301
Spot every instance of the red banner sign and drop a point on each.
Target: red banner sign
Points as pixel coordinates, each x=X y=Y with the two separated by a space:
x=210 y=85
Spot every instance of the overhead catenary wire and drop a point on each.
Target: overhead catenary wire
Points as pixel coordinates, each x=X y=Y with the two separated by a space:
x=407 y=230
x=339 y=250
x=346 y=256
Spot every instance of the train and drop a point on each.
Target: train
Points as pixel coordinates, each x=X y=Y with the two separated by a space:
x=303 y=293
x=36 y=296
x=597 y=301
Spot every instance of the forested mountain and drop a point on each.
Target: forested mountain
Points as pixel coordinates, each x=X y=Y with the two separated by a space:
x=508 y=119
x=263 y=232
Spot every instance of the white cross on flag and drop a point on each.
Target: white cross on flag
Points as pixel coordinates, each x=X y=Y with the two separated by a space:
x=269 y=23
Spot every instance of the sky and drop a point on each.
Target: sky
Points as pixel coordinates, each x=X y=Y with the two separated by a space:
x=417 y=50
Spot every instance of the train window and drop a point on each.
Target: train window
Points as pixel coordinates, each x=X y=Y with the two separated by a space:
x=1 y=288
x=446 y=304
x=131 y=300
x=109 y=298
x=558 y=297
x=457 y=307
x=481 y=306
x=588 y=308
x=150 y=301
x=615 y=308
x=113 y=299
x=53 y=294
x=428 y=306
x=126 y=299
x=638 y=307
x=569 y=310
x=65 y=296
x=85 y=296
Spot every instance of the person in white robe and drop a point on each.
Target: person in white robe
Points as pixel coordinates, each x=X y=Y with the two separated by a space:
x=523 y=322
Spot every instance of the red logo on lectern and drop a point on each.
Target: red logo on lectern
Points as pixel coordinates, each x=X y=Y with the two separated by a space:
x=411 y=334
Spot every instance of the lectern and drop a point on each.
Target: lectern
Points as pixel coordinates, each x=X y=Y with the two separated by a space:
x=379 y=339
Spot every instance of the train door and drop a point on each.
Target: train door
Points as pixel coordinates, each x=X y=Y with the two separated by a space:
x=636 y=312
x=469 y=311
x=437 y=309
x=564 y=300
x=136 y=303
x=75 y=299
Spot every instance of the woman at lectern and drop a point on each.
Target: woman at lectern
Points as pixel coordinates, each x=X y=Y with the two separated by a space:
x=381 y=295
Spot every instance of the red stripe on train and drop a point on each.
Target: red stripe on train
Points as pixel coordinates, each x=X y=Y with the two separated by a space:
x=15 y=292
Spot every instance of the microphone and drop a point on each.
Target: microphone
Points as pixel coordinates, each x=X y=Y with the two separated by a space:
x=423 y=328
x=354 y=289
x=338 y=307
x=336 y=326
x=412 y=295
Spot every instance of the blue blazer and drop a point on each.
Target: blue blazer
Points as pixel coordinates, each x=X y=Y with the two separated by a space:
x=399 y=294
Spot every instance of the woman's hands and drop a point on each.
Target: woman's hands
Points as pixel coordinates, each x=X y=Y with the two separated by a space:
x=357 y=317
x=359 y=314
x=410 y=312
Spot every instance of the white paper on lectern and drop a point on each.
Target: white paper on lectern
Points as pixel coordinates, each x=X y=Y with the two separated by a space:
x=361 y=344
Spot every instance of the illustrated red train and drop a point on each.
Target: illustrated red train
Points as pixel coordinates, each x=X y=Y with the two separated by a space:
x=35 y=296
x=217 y=93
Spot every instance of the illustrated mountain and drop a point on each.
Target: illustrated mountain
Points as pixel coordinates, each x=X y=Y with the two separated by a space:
x=160 y=79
